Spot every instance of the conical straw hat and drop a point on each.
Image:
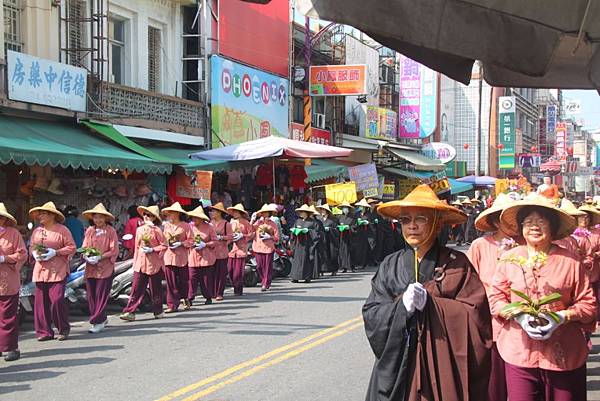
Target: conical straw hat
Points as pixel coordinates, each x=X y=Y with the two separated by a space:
x=239 y=207
x=324 y=207
x=485 y=220
x=175 y=207
x=199 y=213
x=595 y=213
x=268 y=208
x=220 y=207
x=570 y=208
x=363 y=202
x=47 y=207
x=304 y=208
x=153 y=210
x=98 y=209
x=4 y=213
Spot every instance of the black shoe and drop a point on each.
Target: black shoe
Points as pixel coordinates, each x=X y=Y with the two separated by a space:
x=294 y=281
x=344 y=270
x=12 y=356
x=307 y=281
x=333 y=274
x=208 y=302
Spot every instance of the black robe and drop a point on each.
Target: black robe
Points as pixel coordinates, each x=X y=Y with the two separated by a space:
x=374 y=220
x=305 y=248
x=361 y=247
x=389 y=238
x=346 y=243
x=320 y=251
x=441 y=353
x=332 y=244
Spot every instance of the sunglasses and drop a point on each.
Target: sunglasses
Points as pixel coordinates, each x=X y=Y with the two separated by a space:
x=148 y=215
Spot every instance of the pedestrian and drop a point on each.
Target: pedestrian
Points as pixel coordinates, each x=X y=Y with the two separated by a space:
x=51 y=246
x=373 y=219
x=427 y=317
x=148 y=264
x=100 y=238
x=242 y=233
x=361 y=248
x=180 y=239
x=131 y=227
x=305 y=237
x=346 y=229
x=224 y=238
x=331 y=239
x=468 y=226
x=484 y=254
x=13 y=254
x=202 y=257
x=545 y=352
x=74 y=225
x=579 y=241
x=263 y=244
x=319 y=257
x=589 y=223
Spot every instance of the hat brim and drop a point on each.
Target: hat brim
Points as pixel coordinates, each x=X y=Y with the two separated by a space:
x=199 y=216
x=222 y=210
x=324 y=208
x=34 y=213
x=448 y=214
x=143 y=209
x=89 y=214
x=9 y=218
x=593 y=211
x=170 y=209
x=508 y=219
x=232 y=209
x=484 y=221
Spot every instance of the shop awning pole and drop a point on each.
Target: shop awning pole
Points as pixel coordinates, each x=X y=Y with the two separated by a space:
x=273 y=200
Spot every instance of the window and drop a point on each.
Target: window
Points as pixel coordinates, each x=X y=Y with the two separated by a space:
x=116 y=38
x=76 y=37
x=12 y=25
x=153 y=59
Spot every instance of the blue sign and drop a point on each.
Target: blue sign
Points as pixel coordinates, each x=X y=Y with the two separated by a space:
x=246 y=103
x=550 y=118
x=35 y=80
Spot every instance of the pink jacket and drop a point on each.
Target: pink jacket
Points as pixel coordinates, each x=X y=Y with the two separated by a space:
x=149 y=263
x=130 y=228
x=223 y=228
x=59 y=238
x=13 y=248
x=207 y=256
x=261 y=246
x=562 y=273
x=107 y=242
x=240 y=248
x=178 y=257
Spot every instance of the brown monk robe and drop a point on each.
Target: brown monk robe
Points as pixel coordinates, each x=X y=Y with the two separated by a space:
x=439 y=351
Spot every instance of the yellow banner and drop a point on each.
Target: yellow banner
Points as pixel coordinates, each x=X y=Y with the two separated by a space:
x=338 y=193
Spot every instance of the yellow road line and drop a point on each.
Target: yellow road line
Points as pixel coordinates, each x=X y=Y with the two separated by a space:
x=221 y=375
x=270 y=363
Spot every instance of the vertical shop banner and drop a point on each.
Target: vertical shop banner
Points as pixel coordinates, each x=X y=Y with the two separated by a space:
x=506 y=135
x=381 y=123
x=297 y=131
x=366 y=179
x=551 y=118
x=418 y=100
x=542 y=135
x=195 y=186
x=339 y=193
x=561 y=141
x=247 y=103
x=338 y=80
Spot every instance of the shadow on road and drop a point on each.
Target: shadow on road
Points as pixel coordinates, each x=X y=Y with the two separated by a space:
x=14 y=389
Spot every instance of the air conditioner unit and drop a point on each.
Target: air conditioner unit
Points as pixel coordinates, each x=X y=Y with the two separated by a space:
x=318 y=120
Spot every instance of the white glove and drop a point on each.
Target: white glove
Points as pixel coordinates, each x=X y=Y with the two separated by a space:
x=2 y=258
x=200 y=246
x=415 y=297
x=533 y=332
x=50 y=253
x=552 y=325
x=265 y=236
x=36 y=256
x=147 y=249
x=92 y=260
x=175 y=245
x=219 y=237
x=238 y=236
x=326 y=229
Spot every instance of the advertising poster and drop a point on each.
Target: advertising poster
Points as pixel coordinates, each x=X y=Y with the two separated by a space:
x=561 y=141
x=388 y=192
x=381 y=123
x=551 y=118
x=365 y=177
x=338 y=80
x=194 y=186
x=418 y=100
x=339 y=193
x=506 y=119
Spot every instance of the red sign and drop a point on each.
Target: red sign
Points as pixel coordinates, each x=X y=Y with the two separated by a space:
x=318 y=135
x=297 y=132
x=338 y=80
x=256 y=34
x=561 y=141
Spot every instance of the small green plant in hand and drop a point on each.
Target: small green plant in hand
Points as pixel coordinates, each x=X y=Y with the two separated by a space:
x=89 y=251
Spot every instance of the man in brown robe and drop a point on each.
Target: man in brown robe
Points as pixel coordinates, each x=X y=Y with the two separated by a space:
x=432 y=336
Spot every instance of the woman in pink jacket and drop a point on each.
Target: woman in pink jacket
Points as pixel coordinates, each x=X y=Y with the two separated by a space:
x=224 y=238
x=545 y=353
x=99 y=269
x=265 y=238
x=150 y=247
x=180 y=239
x=13 y=255
x=242 y=233
x=202 y=256
x=52 y=246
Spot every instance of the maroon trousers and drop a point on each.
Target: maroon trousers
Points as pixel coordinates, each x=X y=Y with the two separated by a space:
x=264 y=266
x=497 y=385
x=138 y=290
x=236 y=268
x=177 y=285
x=9 y=323
x=220 y=277
x=533 y=384
x=205 y=276
x=98 y=291
x=50 y=307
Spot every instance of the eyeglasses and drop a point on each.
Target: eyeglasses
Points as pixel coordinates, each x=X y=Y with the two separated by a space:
x=419 y=220
x=148 y=215
x=540 y=223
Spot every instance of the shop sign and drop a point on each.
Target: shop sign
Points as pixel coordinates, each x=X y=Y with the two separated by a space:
x=365 y=177
x=438 y=182
x=389 y=190
x=297 y=131
x=198 y=185
x=406 y=185
x=561 y=141
x=247 y=103
x=381 y=123
x=550 y=118
x=507 y=111
x=527 y=160
x=36 y=80
x=339 y=193
x=542 y=136
x=418 y=100
x=438 y=150
x=338 y=80
x=320 y=136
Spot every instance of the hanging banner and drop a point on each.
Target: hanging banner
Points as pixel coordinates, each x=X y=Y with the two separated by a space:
x=418 y=100
x=561 y=141
x=542 y=136
x=365 y=177
x=389 y=190
x=550 y=118
x=381 y=123
x=338 y=80
x=320 y=136
x=339 y=193
x=195 y=186
x=507 y=111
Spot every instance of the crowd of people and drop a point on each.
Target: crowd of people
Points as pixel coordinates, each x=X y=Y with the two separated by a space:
x=191 y=250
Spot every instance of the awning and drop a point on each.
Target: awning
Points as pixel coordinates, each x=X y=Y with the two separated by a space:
x=324 y=169
x=189 y=165
x=456 y=187
x=38 y=142
x=479 y=180
x=159 y=135
x=421 y=162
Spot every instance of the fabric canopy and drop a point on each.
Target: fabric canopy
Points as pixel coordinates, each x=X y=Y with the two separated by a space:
x=272 y=147
x=324 y=169
x=478 y=180
x=38 y=142
x=457 y=187
x=421 y=162
x=534 y=43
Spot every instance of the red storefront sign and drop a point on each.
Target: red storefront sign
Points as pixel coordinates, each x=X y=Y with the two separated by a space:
x=318 y=135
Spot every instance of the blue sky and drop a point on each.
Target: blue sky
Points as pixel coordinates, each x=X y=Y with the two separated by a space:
x=590 y=107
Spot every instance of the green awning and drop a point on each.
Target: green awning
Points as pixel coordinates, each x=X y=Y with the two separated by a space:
x=324 y=169
x=60 y=144
x=180 y=156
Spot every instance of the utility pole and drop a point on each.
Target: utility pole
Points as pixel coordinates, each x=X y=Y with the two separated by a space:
x=307 y=98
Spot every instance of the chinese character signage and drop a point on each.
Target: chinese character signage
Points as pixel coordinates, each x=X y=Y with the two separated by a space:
x=561 y=141
x=365 y=176
x=195 y=186
x=542 y=136
x=247 y=103
x=506 y=125
x=418 y=100
x=389 y=190
x=297 y=131
x=340 y=193
x=527 y=160
x=381 y=123
x=35 y=80
x=550 y=118
x=338 y=80
x=320 y=136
